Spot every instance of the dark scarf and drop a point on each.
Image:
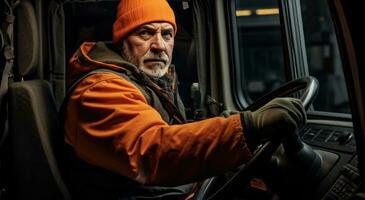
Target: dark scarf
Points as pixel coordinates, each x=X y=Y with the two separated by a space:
x=165 y=88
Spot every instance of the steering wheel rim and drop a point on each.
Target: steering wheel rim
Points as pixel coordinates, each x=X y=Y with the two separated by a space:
x=309 y=85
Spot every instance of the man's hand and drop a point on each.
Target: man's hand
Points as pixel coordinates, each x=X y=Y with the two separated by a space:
x=280 y=117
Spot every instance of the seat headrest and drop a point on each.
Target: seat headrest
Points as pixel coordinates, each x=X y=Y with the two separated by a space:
x=26 y=40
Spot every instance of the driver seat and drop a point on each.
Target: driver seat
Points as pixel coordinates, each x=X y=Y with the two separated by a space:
x=34 y=135
x=34 y=141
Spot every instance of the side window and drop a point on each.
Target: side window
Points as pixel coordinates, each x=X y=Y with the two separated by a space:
x=259 y=47
x=324 y=59
x=260 y=55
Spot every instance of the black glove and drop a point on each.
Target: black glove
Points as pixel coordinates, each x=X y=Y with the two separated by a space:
x=278 y=118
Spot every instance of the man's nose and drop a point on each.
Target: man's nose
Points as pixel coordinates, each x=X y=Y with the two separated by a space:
x=157 y=43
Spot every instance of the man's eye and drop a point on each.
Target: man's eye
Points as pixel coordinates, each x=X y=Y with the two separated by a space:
x=167 y=35
x=145 y=34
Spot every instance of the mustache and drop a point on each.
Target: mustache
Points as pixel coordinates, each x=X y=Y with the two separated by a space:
x=155 y=60
x=159 y=57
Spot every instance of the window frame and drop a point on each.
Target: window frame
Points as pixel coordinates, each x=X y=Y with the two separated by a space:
x=240 y=95
x=293 y=37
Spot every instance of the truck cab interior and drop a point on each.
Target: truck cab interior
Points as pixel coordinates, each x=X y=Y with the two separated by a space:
x=230 y=55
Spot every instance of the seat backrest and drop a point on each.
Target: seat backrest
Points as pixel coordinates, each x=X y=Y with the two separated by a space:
x=34 y=140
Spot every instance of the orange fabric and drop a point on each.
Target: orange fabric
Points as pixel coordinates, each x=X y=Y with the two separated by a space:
x=134 y=13
x=110 y=125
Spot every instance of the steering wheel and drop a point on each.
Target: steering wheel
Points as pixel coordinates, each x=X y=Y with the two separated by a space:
x=309 y=87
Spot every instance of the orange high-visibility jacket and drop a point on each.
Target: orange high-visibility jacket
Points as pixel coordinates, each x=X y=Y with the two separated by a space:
x=110 y=124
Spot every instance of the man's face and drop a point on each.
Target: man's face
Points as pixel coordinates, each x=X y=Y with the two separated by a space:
x=150 y=47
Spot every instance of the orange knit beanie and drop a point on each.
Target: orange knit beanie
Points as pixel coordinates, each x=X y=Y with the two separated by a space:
x=134 y=13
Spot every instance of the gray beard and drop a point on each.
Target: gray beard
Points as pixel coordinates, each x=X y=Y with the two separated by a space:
x=157 y=71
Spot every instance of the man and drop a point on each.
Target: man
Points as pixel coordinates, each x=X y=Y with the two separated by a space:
x=125 y=124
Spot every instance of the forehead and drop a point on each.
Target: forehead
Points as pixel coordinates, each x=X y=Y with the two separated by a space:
x=156 y=26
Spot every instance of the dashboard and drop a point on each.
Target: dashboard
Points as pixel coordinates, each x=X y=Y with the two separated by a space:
x=342 y=179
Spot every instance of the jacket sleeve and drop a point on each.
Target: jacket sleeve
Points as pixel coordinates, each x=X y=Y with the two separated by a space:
x=118 y=130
